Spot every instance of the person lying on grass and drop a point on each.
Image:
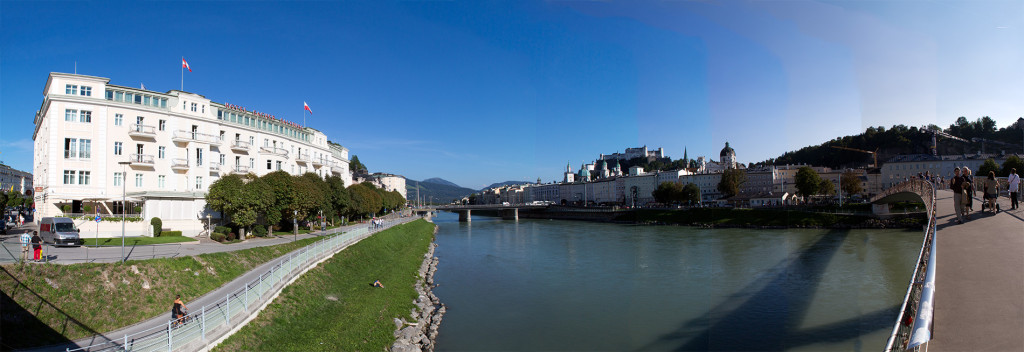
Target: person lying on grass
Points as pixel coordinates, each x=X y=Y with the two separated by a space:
x=378 y=284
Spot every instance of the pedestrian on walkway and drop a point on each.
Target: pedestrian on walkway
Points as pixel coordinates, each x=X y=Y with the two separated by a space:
x=26 y=239
x=1014 y=186
x=37 y=245
x=991 y=193
x=956 y=184
x=969 y=187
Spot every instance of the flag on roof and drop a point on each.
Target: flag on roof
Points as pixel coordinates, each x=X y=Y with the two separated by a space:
x=184 y=64
x=306 y=106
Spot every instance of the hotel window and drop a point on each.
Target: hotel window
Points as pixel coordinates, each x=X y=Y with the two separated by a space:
x=204 y=109
x=221 y=136
x=199 y=182
x=199 y=157
x=278 y=166
x=252 y=140
x=87 y=91
x=161 y=181
x=269 y=164
x=118 y=119
x=252 y=163
x=145 y=100
x=117 y=148
x=110 y=95
x=138 y=99
x=85 y=116
x=70 y=115
x=70 y=89
x=221 y=159
x=163 y=103
x=69 y=177
x=118 y=178
x=194 y=105
x=266 y=142
x=83 y=177
x=161 y=152
x=184 y=105
x=118 y=96
x=138 y=180
x=70 y=148
x=163 y=125
x=84 y=148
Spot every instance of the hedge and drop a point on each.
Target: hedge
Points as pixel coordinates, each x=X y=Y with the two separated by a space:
x=170 y=233
x=158 y=226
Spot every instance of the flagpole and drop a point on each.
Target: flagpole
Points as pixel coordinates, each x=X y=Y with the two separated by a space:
x=183 y=74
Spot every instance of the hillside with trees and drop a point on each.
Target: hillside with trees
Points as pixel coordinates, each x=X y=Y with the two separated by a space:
x=900 y=139
x=432 y=190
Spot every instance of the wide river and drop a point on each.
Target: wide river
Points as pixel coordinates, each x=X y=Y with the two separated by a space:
x=570 y=285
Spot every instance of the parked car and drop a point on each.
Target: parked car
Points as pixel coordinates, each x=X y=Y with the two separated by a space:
x=59 y=231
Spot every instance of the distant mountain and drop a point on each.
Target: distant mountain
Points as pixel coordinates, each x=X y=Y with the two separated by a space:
x=442 y=193
x=499 y=184
x=441 y=181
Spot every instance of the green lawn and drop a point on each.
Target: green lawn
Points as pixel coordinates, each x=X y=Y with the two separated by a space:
x=306 y=316
x=136 y=241
x=85 y=299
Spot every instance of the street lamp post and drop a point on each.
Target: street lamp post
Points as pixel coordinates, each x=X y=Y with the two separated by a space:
x=295 y=225
x=124 y=202
x=209 y=225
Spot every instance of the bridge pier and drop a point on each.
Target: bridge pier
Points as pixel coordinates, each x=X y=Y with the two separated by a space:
x=880 y=209
x=510 y=214
x=465 y=215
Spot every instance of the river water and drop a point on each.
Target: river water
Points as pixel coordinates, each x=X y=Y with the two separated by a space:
x=570 y=285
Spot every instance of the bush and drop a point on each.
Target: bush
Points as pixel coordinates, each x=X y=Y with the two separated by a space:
x=217 y=236
x=66 y=208
x=232 y=236
x=259 y=231
x=158 y=225
x=138 y=209
x=222 y=229
x=170 y=233
x=87 y=208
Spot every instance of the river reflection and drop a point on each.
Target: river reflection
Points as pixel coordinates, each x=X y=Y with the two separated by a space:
x=567 y=285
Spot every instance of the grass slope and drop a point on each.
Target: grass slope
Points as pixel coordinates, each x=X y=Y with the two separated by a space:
x=333 y=307
x=50 y=303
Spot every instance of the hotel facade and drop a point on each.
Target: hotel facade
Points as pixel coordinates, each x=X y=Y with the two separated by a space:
x=96 y=143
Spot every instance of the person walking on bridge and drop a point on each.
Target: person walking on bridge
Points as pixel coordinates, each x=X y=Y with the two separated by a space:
x=991 y=193
x=956 y=184
x=1014 y=181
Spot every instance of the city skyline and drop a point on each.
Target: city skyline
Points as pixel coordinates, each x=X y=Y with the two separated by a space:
x=479 y=93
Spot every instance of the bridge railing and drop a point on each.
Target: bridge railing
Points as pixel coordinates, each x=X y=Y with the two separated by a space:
x=913 y=325
x=202 y=322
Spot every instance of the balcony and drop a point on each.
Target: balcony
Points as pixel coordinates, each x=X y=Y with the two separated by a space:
x=302 y=158
x=335 y=168
x=186 y=137
x=179 y=164
x=142 y=131
x=240 y=146
x=274 y=150
x=241 y=169
x=141 y=160
x=214 y=168
x=318 y=162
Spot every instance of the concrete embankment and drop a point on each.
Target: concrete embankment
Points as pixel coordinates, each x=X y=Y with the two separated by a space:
x=421 y=334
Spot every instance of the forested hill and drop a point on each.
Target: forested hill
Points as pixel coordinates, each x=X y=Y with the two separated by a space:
x=901 y=139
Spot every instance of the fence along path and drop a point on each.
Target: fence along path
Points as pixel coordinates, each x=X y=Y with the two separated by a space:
x=215 y=320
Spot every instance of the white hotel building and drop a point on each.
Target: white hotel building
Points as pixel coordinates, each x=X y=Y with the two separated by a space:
x=94 y=140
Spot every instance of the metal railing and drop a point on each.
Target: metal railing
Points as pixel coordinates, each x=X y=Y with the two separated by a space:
x=138 y=129
x=914 y=323
x=239 y=145
x=274 y=150
x=216 y=319
x=182 y=135
x=179 y=163
x=141 y=159
x=241 y=169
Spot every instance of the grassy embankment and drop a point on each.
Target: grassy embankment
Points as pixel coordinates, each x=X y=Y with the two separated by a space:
x=55 y=303
x=750 y=217
x=136 y=241
x=333 y=307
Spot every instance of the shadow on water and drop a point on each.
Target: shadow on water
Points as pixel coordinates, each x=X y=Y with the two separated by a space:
x=767 y=315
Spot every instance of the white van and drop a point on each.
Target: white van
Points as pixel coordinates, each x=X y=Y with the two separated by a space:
x=59 y=231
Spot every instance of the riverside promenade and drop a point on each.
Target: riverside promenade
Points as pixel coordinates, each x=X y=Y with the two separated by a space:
x=979 y=294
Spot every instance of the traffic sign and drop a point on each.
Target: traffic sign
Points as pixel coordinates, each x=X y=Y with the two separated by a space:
x=97 y=218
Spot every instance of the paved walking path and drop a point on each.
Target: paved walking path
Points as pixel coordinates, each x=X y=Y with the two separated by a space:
x=979 y=284
x=208 y=299
x=110 y=254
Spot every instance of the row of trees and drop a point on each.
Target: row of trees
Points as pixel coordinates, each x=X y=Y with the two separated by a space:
x=675 y=193
x=1012 y=163
x=14 y=198
x=278 y=198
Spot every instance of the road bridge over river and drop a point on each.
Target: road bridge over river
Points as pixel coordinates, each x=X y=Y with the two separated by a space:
x=969 y=283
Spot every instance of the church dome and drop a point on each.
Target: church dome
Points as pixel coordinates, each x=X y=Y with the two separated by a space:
x=727 y=151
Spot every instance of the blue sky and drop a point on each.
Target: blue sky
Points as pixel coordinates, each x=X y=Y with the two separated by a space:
x=485 y=91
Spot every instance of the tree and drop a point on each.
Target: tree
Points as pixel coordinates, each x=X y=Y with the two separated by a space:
x=1012 y=162
x=668 y=192
x=691 y=194
x=807 y=181
x=311 y=197
x=827 y=187
x=340 y=200
x=365 y=201
x=258 y=199
x=356 y=166
x=281 y=185
x=849 y=182
x=732 y=180
x=223 y=194
x=988 y=166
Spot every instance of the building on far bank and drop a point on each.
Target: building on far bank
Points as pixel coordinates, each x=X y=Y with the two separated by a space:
x=11 y=178
x=103 y=149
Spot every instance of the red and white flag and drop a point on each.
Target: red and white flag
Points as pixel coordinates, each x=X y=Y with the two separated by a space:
x=184 y=64
x=307 y=108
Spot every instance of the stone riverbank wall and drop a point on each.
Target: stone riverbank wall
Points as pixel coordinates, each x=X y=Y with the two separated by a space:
x=421 y=333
